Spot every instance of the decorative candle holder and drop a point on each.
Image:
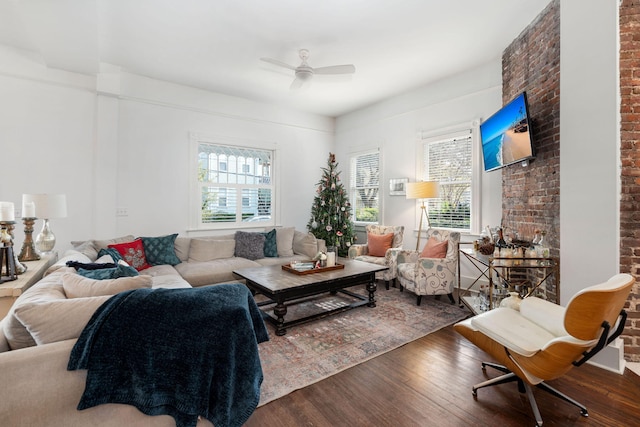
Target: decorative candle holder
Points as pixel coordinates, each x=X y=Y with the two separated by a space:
x=28 y=251
x=7 y=259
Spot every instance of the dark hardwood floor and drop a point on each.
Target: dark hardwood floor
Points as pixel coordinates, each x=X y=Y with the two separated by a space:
x=428 y=383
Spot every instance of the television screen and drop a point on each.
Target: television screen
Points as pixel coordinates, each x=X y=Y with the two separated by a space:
x=506 y=136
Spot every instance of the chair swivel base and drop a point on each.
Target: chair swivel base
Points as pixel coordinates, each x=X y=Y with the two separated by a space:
x=524 y=387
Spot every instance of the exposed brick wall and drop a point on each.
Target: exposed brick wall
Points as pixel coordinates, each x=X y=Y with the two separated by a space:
x=531 y=195
x=630 y=158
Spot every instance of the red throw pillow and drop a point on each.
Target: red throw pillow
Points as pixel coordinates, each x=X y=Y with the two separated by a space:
x=379 y=243
x=133 y=254
x=435 y=249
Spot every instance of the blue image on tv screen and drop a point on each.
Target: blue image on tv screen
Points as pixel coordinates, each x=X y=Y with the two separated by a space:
x=505 y=135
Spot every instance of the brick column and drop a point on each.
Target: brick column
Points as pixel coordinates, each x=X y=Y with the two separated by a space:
x=630 y=158
x=531 y=195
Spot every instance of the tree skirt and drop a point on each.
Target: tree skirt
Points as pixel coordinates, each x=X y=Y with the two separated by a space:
x=316 y=350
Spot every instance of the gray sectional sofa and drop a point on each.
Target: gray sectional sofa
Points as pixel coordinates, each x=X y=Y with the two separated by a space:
x=39 y=331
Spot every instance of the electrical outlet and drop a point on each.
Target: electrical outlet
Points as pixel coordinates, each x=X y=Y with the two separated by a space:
x=122 y=212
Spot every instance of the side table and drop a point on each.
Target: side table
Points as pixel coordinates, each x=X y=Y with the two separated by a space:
x=10 y=291
x=504 y=275
x=481 y=263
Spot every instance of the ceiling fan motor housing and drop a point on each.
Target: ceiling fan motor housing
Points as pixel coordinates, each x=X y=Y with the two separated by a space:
x=304 y=72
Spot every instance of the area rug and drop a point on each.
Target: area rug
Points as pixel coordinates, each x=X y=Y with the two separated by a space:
x=316 y=350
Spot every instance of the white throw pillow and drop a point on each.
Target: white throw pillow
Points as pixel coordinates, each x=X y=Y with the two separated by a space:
x=76 y=286
x=58 y=320
x=284 y=240
x=305 y=244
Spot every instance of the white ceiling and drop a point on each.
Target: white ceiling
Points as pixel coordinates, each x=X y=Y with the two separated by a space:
x=395 y=45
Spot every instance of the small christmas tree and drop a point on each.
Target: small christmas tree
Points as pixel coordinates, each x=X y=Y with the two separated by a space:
x=331 y=210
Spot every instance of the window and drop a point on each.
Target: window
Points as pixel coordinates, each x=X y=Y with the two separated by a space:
x=234 y=184
x=449 y=161
x=365 y=186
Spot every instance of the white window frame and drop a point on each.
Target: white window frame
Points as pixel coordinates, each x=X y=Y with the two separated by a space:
x=459 y=131
x=352 y=186
x=195 y=187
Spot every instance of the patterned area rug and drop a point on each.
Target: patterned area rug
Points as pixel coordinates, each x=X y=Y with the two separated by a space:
x=316 y=350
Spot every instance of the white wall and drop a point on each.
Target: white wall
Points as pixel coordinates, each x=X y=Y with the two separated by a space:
x=589 y=144
x=46 y=134
x=120 y=140
x=393 y=127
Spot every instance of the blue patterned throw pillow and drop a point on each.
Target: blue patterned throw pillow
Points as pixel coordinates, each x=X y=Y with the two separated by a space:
x=161 y=250
x=270 y=244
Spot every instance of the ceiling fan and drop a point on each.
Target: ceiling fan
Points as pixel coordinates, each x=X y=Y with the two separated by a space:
x=304 y=72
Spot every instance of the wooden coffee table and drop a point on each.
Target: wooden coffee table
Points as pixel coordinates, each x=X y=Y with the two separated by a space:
x=284 y=288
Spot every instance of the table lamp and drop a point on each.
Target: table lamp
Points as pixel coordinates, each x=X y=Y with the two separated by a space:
x=46 y=206
x=422 y=190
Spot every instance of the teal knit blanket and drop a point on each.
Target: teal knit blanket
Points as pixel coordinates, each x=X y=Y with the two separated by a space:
x=181 y=352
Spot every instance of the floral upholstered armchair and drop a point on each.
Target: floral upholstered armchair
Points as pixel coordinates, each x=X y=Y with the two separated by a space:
x=434 y=270
x=383 y=242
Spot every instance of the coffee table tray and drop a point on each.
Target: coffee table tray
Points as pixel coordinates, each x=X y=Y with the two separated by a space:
x=287 y=267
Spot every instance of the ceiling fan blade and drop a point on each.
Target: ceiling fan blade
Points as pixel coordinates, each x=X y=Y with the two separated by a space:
x=336 y=69
x=278 y=63
x=297 y=84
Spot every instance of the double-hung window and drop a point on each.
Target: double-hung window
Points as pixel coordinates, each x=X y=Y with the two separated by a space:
x=365 y=186
x=234 y=185
x=449 y=161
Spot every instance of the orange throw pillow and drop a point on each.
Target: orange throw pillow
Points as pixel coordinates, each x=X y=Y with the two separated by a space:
x=435 y=249
x=379 y=243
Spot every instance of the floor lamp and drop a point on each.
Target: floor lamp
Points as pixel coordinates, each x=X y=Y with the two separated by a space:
x=422 y=190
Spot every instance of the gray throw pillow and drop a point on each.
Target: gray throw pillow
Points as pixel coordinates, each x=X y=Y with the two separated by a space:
x=249 y=245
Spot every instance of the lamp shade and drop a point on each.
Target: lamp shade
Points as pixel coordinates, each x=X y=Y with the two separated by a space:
x=45 y=206
x=422 y=190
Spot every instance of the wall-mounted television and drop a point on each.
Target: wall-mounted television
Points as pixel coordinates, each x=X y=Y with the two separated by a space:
x=506 y=135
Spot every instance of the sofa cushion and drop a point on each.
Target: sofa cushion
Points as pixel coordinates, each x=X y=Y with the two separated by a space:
x=249 y=245
x=270 y=244
x=211 y=272
x=284 y=238
x=91 y=247
x=48 y=288
x=379 y=243
x=76 y=286
x=210 y=249
x=132 y=253
x=160 y=250
x=305 y=244
x=104 y=244
x=435 y=248
x=59 y=319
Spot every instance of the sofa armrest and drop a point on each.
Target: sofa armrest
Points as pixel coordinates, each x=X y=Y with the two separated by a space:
x=43 y=392
x=358 y=250
x=391 y=259
x=404 y=256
